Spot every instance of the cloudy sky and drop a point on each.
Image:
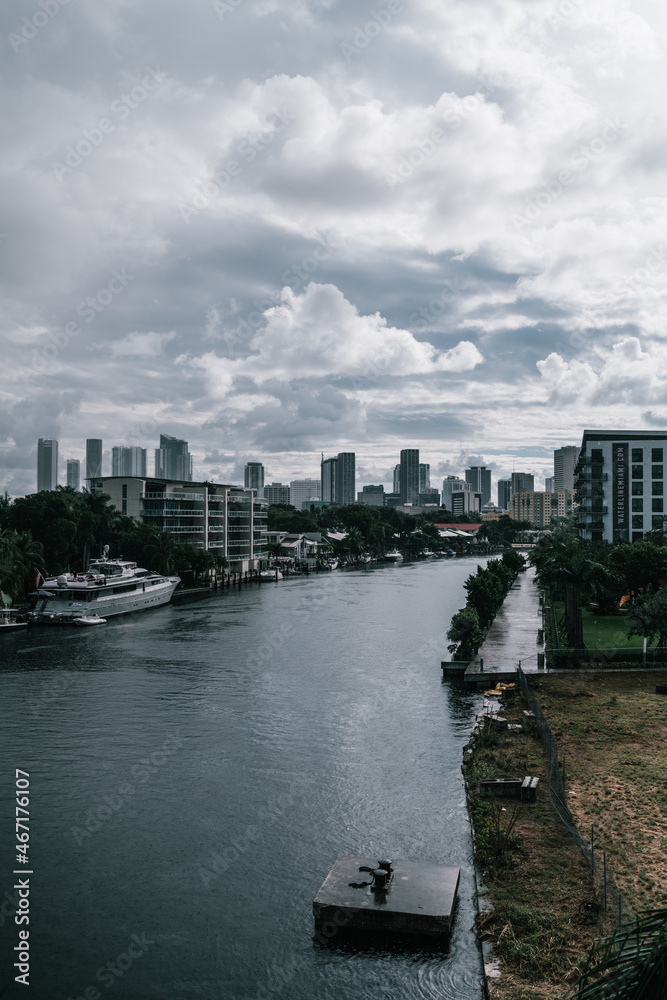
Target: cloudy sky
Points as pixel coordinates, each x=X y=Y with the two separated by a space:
x=284 y=227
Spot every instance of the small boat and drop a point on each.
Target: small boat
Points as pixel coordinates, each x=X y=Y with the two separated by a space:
x=9 y=622
x=270 y=574
x=332 y=564
x=393 y=556
x=364 y=558
x=89 y=620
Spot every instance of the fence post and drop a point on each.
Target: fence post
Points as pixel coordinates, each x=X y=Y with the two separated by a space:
x=604 y=861
x=592 y=847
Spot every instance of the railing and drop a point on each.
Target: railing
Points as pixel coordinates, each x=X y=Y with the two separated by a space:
x=606 y=888
x=588 y=477
x=172 y=496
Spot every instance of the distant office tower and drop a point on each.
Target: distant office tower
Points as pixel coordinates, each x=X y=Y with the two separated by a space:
x=450 y=485
x=253 y=478
x=410 y=475
x=397 y=479
x=302 y=490
x=522 y=482
x=128 y=461
x=93 y=458
x=548 y=484
x=429 y=495
x=540 y=507
x=565 y=460
x=173 y=460
x=479 y=478
x=505 y=494
x=276 y=493
x=372 y=496
x=329 y=468
x=346 y=477
x=424 y=477
x=74 y=473
x=465 y=501
x=47 y=464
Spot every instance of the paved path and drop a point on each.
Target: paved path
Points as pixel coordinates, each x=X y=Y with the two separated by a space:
x=513 y=634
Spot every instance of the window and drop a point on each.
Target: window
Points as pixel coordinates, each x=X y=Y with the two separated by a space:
x=637 y=454
x=637 y=471
x=637 y=536
x=638 y=504
x=656 y=506
x=656 y=454
x=658 y=523
x=638 y=489
x=656 y=489
x=637 y=521
x=124 y=488
x=656 y=472
x=596 y=455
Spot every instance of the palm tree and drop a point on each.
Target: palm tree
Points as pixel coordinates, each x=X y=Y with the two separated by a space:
x=29 y=560
x=630 y=964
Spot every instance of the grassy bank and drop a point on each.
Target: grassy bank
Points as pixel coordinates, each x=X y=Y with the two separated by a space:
x=612 y=731
x=536 y=876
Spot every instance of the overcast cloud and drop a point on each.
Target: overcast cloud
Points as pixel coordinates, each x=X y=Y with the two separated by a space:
x=284 y=227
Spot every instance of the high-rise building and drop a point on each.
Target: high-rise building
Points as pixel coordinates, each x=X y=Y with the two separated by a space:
x=522 y=482
x=539 y=507
x=424 y=477
x=429 y=495
x=565 y=461
x=548 y=484
x=47 y=464
x=276 y=493
x=173 y=460
x=303 y=490
x=450 y=485
x=372 y=496
x=93 y=458
x=346 y=477
x=620 y=484
x=74 y=473
x=128 y=461
x=328 y=470
x=479 y=478
x=505 y=494
x=465 y=501
x=397 y=479
x=253 y=478
x=410 y=476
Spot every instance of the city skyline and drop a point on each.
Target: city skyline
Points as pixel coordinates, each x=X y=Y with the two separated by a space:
x=274 y=254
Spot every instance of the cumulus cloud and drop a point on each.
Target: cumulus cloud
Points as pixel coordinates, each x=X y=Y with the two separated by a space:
x=141 y=345
x=626 y=374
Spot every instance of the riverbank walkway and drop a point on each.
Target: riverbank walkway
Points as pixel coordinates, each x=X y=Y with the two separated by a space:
x=512 y=638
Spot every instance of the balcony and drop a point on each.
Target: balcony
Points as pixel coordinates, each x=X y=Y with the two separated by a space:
x=588 y=477
x=593 y=511
x=172 y=496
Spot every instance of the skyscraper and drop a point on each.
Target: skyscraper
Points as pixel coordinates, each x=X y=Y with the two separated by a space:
x=410 y=475
x=47 y=464
x=128 y=461
x=522 y=482
x=479 y=478
x=328 y=468
x=173 y=460
x=74 y=473
x=565 y=460
x=424 y=477
x=346 y=477
x=397 y=479
x=253 y=478
x=302 y=490
x=93 y=458
x=505 y=494
x=452 y=484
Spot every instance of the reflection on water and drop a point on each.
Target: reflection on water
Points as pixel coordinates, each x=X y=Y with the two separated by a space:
x=196 y=770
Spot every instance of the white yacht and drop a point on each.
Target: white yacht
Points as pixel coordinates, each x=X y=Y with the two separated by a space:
x=393 y=556
x=110 y=587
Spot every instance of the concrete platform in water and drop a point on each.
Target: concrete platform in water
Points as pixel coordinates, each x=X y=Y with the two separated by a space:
x=420 y=898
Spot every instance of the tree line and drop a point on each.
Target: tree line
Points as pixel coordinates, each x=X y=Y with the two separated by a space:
x=486 y=590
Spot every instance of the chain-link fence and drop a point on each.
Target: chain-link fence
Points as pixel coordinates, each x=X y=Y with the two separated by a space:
x=607 y=892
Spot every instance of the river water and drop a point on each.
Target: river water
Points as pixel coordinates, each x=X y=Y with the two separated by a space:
x=195 y=770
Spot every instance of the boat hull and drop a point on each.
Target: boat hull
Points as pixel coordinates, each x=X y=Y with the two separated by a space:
x=107 y=605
